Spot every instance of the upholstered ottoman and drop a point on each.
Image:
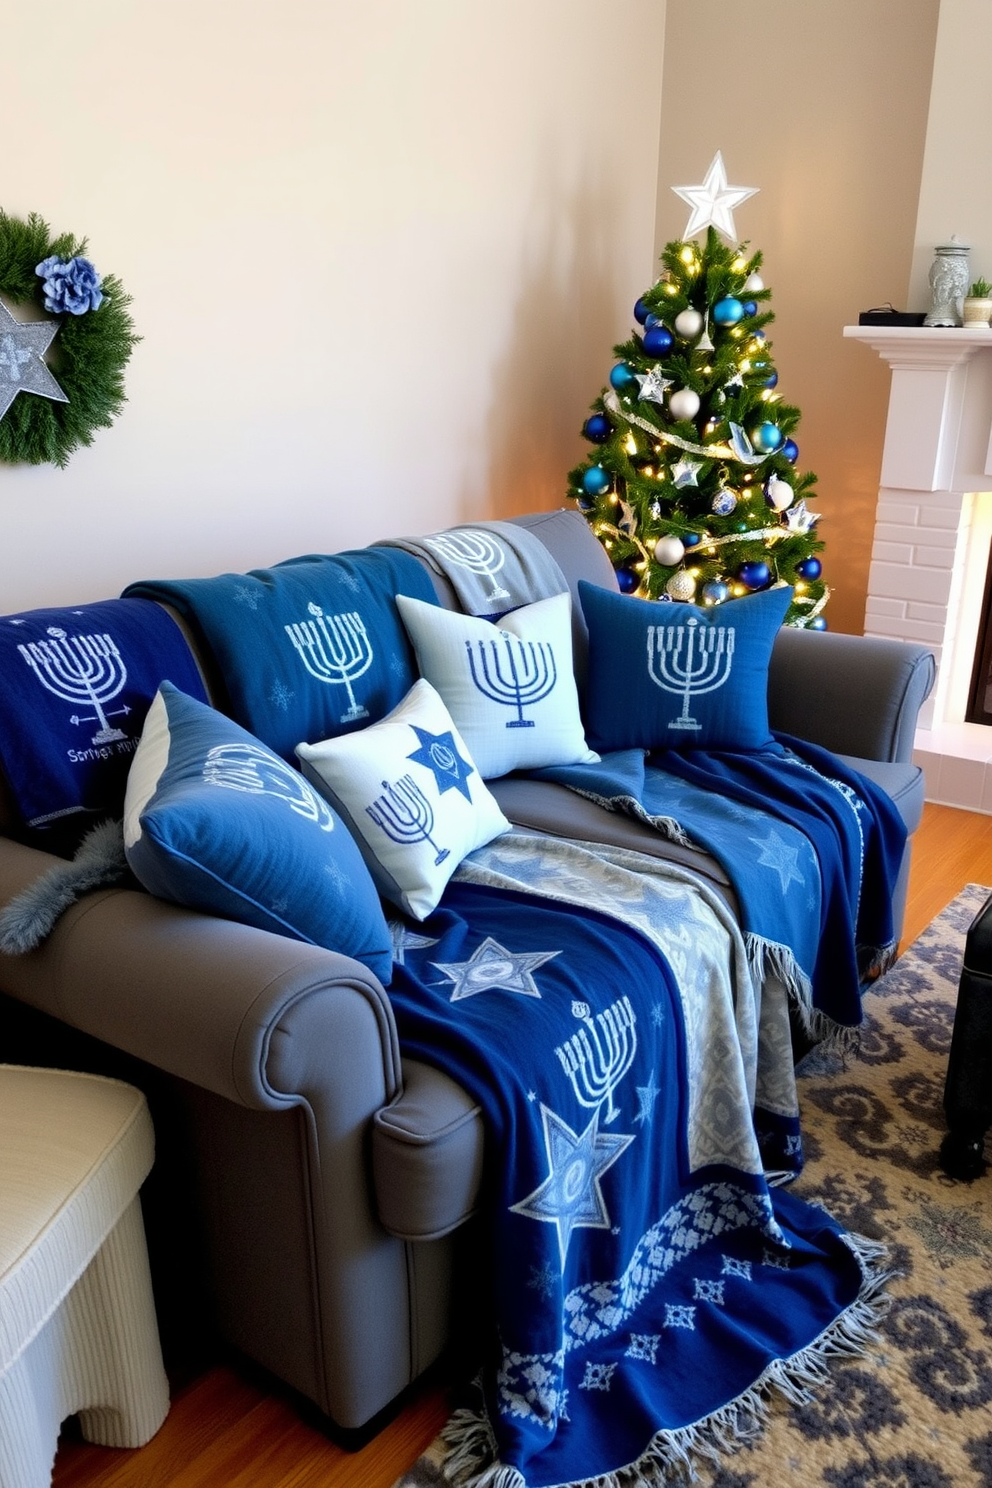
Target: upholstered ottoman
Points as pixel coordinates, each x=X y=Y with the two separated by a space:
x=968 y=1087
x=77 y=1322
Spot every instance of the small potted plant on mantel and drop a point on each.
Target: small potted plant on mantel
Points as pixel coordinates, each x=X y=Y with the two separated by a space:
x=976 y=307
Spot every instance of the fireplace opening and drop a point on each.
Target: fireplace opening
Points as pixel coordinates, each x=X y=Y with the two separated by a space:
x=979 y=708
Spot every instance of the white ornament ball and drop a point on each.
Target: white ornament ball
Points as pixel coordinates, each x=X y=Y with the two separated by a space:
x=779 y=494
x=669 y=550
x=681 y=586
x=754 y=282
x=688 y=323
x=683 y=403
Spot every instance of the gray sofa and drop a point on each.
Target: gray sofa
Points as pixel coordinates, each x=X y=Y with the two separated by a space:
x=325 y=1185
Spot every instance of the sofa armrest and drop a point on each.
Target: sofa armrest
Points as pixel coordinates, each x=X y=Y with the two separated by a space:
x=855 y=695
x=220 y=1004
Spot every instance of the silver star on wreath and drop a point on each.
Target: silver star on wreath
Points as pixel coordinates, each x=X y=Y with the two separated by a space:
x=492 y=968
x=653 y=384
x=22 y=346
x=714 y=201
x=684 y=472
x=570 y=1197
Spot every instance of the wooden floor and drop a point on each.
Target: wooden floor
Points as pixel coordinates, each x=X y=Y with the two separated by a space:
x=224 y=1431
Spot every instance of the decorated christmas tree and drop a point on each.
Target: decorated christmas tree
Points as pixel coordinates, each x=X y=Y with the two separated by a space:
x=692 y=482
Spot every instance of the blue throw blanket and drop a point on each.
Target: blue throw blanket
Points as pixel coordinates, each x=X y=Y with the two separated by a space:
x=77 y=684
x=646 y=1285
x=811 y=847
x=309 y=649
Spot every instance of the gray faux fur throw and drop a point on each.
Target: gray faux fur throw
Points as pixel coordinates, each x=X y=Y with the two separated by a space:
x=29 y=917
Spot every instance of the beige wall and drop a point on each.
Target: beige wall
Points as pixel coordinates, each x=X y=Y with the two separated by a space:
x=379 y=254
x=823 y=105
x=954 y=192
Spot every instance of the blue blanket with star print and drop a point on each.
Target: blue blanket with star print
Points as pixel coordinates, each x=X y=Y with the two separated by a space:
x=645 y=1284
x=309 y=649
x=811 y=847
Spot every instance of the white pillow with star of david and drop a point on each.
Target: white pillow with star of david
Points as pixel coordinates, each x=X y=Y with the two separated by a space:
x=410 y=792
x=509 y=686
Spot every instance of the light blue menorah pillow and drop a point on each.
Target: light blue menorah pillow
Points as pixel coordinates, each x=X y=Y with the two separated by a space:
x=678 y=676
x=508 y=685
x=216 y=821
x=410 y=792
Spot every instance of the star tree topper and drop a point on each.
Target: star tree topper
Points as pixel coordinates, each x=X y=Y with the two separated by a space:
x=714 y=201
x=22 y=345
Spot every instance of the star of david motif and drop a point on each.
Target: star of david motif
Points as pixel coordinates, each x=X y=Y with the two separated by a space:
x=404 y=940
x=776 y=854
x=714 y=201
x=439 y=754
x=22 y=346
x=570 y=1197
x=492 y=968
x=646 y=1097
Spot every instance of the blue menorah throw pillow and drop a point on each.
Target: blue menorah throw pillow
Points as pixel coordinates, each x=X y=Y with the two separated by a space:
x=411 y=793
x=677 y=676
x=508 y=685
x=215 y=821
x=77 y=682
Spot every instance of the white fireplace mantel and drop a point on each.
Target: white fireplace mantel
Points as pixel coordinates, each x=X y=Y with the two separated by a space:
x=933 y=530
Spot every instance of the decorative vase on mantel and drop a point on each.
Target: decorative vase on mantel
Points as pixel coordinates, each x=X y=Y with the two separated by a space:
x=949 y=275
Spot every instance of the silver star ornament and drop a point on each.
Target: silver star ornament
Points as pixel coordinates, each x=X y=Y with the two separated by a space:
x=714 y=201
x=653 y=384
x=22 y=346
x=798 y=519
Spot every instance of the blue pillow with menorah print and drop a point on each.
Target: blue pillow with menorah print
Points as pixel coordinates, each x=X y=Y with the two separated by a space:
x=215 y=821
x=677 y=676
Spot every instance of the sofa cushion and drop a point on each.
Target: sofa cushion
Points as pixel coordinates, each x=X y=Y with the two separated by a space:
x=677 y=676
x=216 y=821
x=509 y=686
x=427 y=1155
x=411 y=794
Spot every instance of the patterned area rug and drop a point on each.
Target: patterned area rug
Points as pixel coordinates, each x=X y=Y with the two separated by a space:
x=917 y=1411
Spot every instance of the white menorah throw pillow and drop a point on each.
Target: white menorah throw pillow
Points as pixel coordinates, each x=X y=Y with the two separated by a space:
x=409 y=791
x=509 y=686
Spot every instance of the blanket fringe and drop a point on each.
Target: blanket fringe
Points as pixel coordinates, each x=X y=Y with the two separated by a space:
x=472 y=1463
x=668 y=826
x=767 y=958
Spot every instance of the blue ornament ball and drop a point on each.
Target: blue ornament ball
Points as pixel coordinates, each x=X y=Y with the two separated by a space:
x=771 y=381
x=809 y=568
x=651 y=320
x=641 y=312
x=657 y=340
x=754 y=575
x=691 y=539
x=715 y=592
x=790 y=450
x=750 y=307
x=767 y=437
x=595 y=481
x=621 y=377
x=597 y=428
x=728 y=311
x=818 y=622
x=627 y=580
x=585 y=503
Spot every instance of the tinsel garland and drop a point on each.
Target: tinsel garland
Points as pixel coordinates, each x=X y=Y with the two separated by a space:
x=88 y=355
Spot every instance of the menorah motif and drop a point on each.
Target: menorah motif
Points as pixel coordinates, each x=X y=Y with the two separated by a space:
x=86 y=669
x=476 y=551
x=689 y=660
x=405 y=814
x=597 y=1057
x=258 y=772
x=528 y=674
x=334 y=649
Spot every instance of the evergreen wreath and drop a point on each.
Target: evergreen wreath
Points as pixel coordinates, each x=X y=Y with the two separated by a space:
x=89 y=352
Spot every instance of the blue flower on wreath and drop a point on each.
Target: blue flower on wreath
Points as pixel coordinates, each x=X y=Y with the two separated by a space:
x=72 y=285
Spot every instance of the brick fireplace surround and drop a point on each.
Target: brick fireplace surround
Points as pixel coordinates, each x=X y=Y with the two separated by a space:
x=933 y=527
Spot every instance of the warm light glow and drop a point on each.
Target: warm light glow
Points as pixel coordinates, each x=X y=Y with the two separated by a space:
x=739 y=589
x=736 y=332
x=648 y=470
x=630 y=444
x=695 y=572
x=800 y=587
x=687 y=256
x=707 y=370
x=614 y=498
x=739 y=264
x=746 y=364
x=670 y=289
